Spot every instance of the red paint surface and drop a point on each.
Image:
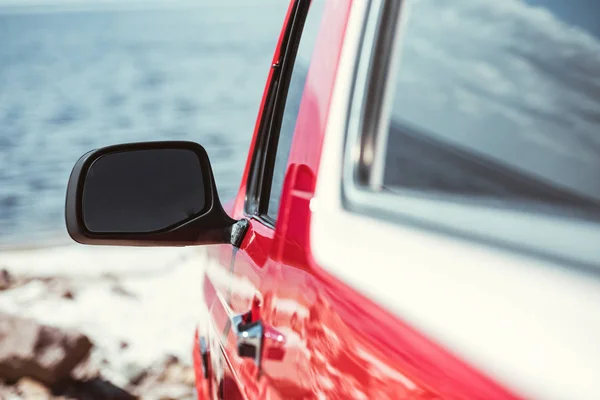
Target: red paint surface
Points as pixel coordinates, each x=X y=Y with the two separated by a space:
x=323 y=339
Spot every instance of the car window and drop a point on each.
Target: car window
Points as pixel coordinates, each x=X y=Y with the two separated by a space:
x=292 y=105
x=498 y=101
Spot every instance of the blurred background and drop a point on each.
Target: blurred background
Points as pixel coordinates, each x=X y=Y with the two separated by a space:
x=116 y=322
x=77 y=75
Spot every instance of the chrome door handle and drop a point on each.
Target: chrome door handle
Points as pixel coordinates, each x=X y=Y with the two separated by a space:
x=249 y=337
x=253 y=338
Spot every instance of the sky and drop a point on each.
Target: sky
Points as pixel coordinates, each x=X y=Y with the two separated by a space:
x=583 y=13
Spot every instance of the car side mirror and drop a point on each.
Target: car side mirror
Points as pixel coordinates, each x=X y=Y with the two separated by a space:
x=146 y=194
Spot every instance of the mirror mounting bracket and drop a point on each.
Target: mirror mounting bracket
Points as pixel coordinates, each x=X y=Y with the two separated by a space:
x=238 y=232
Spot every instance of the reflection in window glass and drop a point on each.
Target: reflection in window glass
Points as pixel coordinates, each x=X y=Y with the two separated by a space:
x=499 y=100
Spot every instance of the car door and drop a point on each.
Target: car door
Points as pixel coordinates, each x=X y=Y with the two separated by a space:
x=237 y=334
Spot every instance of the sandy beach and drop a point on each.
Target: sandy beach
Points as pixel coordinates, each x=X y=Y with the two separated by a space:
x=137 y=305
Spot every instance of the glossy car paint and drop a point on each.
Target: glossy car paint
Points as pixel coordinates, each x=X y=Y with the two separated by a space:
x=529 y=322
x=324 y=339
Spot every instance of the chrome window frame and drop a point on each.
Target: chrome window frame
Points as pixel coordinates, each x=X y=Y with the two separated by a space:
x=555 y=237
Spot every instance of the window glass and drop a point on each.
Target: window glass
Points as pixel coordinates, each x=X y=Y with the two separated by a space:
x=499 y=100
x=292 y=105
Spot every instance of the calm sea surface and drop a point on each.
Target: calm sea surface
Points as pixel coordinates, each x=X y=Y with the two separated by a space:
x=71 y=81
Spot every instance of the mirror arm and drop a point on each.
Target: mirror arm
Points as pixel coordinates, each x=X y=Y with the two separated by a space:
x=238 y=232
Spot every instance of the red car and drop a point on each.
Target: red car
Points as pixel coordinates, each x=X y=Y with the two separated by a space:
x=419 y=213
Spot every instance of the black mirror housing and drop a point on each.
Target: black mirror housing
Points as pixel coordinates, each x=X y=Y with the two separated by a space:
x=146 y=194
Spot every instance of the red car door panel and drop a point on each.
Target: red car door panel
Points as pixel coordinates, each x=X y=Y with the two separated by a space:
x=320 y=339
x=223 y=294
x=231 y=291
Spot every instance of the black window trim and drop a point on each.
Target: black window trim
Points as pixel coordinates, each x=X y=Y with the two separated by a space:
x=368 y=111
x=260 y=175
